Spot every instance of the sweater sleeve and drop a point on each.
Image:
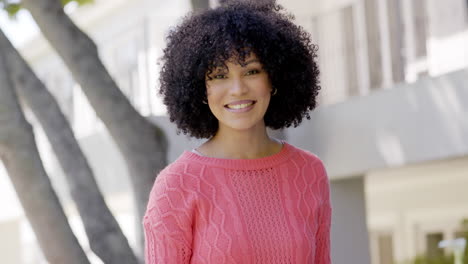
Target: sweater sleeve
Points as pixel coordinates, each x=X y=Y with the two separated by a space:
x=322 y=255
x=168 y=221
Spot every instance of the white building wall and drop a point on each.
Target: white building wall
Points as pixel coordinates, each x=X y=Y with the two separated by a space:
x=412 y=201
x=407 y=124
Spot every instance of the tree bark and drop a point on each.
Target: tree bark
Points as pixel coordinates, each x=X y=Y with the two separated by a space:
x=142 y=144
x=105 y=236
x=20 y=156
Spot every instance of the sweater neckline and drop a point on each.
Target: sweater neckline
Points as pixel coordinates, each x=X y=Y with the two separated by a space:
x=246 y=164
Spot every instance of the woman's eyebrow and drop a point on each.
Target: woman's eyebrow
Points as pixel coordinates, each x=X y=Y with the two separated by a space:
x=249 y=62
x=220 y=70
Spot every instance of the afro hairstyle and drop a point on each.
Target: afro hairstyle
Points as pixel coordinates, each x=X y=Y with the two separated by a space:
x=205 y=40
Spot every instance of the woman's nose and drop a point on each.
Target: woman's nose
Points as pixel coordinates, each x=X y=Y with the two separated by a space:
x=238 y=87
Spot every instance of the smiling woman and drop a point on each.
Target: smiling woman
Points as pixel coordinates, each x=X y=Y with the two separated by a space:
x=240 y=197
x=238 y=96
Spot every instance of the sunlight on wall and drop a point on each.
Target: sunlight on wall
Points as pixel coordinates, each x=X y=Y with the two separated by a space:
x=390 y=148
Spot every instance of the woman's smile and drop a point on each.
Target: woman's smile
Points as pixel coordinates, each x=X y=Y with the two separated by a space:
x=240 y=106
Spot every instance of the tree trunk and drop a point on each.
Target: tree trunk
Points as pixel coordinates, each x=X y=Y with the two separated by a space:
x=142 y=144
x=20 y=156
x=105 y=236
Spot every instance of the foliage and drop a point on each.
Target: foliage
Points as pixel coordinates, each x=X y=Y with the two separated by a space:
x=438 y=260
x=12 y=7
x=80 y=2
x=449 y=259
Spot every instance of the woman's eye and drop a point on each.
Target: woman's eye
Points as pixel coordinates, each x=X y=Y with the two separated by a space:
x=252 y=72
x=219 y=76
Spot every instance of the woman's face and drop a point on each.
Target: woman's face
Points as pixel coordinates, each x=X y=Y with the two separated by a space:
x=238 y=95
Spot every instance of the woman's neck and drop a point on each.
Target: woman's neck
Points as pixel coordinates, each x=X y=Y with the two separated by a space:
x=240 y=145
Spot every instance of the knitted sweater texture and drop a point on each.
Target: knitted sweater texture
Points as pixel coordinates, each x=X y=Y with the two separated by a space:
x=270 y=210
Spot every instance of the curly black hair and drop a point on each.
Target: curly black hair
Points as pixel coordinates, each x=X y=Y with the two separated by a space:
x=210 y=38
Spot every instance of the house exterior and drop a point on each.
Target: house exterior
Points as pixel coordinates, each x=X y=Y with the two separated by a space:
x=391 y=127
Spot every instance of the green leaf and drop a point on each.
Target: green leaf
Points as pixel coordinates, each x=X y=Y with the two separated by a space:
x=80 y=2
x=12 y=7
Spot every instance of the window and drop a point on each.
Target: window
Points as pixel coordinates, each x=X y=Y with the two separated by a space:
x=461 y=233
x=420 y=27
x=396 y=39
x=432 y=245
x=335 y=33
x=373 y=44
x=349 y=31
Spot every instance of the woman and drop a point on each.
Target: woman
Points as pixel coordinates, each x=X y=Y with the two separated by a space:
x=240 y=197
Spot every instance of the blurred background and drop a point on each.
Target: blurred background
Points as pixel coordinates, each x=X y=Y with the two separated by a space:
x=391 y=127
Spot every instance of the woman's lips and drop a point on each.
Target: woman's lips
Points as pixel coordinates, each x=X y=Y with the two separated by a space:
x=240 y=106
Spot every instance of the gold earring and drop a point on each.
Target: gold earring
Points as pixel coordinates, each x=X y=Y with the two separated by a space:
x=274 y=92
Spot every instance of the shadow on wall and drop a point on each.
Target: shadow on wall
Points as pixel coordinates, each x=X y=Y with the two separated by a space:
x=406 y=124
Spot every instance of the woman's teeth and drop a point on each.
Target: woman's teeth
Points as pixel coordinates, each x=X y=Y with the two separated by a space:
x=239 y=106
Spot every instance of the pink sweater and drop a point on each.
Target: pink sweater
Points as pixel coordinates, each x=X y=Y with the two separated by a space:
x=213 y=211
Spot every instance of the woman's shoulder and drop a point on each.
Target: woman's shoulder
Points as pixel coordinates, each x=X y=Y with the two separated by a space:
x=181 y=166
x=309 y=159
x=178 y=179
x=307 y=155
